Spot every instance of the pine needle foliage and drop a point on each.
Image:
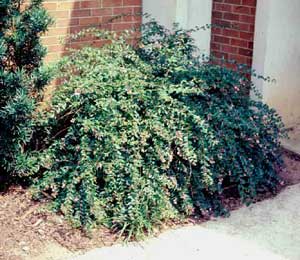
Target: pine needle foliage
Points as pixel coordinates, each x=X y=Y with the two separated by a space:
x=135 y=136
x=21 y=76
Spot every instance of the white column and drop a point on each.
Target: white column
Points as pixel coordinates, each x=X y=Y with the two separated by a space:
x=188 y=13
x=182 y=13
x=199 y=14
x=164 y=11
x=277 y=54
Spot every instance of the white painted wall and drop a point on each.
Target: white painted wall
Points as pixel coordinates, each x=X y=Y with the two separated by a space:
x=277 y=54
x=188 y=13
x=199 y=14
x=164 y=11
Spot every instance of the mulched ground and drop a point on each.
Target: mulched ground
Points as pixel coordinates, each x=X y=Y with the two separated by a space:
x=291 y=173
x=28 y=227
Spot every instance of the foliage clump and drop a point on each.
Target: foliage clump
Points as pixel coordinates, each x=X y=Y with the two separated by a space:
x=138 y=135
x=21 y=76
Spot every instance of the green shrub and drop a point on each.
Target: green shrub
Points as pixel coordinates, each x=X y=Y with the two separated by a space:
x=21 y=75
x=137 y=135
x=247 y=130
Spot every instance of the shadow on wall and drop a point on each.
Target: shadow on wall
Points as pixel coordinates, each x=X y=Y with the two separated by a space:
x=73 y=16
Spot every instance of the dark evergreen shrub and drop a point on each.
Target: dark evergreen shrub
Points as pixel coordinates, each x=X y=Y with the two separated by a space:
x=135 y=136
x=21 y=76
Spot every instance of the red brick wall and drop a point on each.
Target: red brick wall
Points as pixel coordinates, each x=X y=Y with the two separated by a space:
x=73 y=15
x=233 y=40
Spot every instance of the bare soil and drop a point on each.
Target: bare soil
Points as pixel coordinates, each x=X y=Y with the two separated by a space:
x=291 y=172
x=30 y=231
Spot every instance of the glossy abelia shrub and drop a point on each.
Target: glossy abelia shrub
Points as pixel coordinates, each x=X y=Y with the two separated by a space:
x=135 y=136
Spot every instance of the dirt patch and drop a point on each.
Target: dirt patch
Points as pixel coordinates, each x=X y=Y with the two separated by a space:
x=30 y=231
x=291 y=172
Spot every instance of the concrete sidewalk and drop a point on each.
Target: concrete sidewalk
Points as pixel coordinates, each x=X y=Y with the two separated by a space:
x=267 y=230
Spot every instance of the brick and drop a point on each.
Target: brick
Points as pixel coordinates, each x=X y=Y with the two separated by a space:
x=240 y=9
x=245 y=52
x=253 y=11
x=131 y=2
x=110 y=3
x=101 y=11
x=60 y=14
x=74 y=15
x=111 y=19
x=50 y=6
x=239 y=43
x=128 y=18
x=249 y=63
x=51 y=40
x=229 y=49
x=241 y=26
x=251 y=28
x=231 y=66
x=81 y=13
x=246 y=36
x=68 y=5
x=76 y=29
x=67 y=22
x=221 y=39
x=216 y=30
x=247 y=19
x=137 y=19
x=221 y=55
x=222 y=7
x=236 y=2
x=90 y=4
x=221 y=22
x=79 y=45
x=250 y=45
x=217 y=14
x=137 y=10
x=56 y=48
x=249 y=2
x=231 y=33
x=215 y=46
x=89 y=21
x=235 y=41
x=123 y=26
x=97 y=43
x=57 y=31
x=238 y=58
x=122 y=10
x=231 y=16
x=106 y=26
